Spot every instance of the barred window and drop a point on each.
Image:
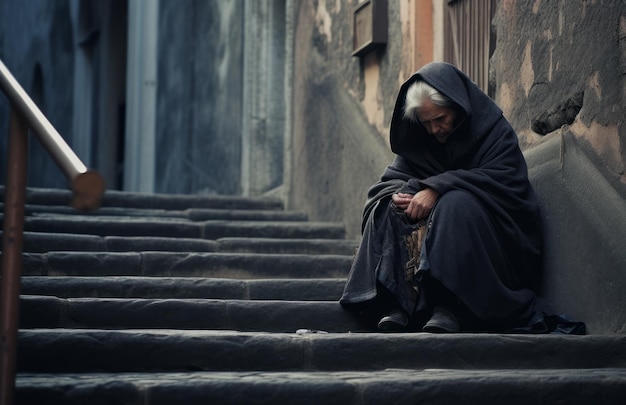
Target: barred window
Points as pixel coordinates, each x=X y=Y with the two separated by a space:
x=469 y=41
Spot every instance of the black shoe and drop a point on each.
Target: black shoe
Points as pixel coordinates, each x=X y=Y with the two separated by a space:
x=396 y=321
x=442 y=321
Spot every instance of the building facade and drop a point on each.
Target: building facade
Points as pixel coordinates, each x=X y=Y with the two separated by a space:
x=275 y=97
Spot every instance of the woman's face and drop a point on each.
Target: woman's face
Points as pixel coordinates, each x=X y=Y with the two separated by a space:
x=438 y=121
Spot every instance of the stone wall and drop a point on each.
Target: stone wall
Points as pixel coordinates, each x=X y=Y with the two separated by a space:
x=583 y=218
x=560 y=66
x=199 y=100
x=36 y=46
x=342 y=106
x=560 y=73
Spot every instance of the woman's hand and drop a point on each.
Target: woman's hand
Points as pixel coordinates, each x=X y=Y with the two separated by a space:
x=402 y=200
x=420 y=204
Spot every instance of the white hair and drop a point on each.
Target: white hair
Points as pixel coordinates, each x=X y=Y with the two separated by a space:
x=419 y=92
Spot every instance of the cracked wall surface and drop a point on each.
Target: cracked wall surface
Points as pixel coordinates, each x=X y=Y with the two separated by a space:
x=561 y=66
x=342 y=106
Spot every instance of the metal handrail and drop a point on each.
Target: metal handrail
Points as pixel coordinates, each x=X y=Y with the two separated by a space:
x=87 y=185
x=88 y=188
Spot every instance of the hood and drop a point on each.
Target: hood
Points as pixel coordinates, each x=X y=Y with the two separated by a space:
x=408 y=138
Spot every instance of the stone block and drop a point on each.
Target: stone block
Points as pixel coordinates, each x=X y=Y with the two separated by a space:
x=584 y=229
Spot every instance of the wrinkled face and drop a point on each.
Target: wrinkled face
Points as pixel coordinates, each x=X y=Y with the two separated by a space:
x=438 y=121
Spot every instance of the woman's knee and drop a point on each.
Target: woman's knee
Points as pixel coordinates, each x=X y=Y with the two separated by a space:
x=461 y=204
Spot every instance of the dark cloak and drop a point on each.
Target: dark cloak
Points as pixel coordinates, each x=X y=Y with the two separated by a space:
x=484 y=244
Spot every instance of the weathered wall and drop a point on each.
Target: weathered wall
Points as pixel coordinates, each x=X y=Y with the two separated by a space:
x=562 y=63
x=36 y=46
x=342 y=106
x=585 y=262
x=199 y=100
x=560 y=74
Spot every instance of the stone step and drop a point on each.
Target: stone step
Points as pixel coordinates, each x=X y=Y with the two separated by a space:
x=172 y=227
x=282 y=246
x=192 y=287
x=113 y=198
x=281 y=230
x=396 y=386
x=191 y=214
x=181 y=264
x=42 y=242
x=190 y=299
x=38 y=311
x=72 y=351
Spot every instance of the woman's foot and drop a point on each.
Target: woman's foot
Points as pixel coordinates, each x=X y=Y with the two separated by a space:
x=396 y=321
x=442 y=321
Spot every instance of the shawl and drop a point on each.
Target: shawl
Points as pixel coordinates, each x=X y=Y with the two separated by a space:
x=481 y=156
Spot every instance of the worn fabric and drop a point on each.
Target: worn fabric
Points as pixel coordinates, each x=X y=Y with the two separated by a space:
x=484 y=242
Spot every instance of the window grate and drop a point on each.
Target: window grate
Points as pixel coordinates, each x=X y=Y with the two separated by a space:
x=469 y=41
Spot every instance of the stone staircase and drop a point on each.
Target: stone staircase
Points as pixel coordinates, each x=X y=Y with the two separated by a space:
x=159 y=299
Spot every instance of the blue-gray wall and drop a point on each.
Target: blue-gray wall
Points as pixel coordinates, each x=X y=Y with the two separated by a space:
x=199 y=102
x=36 y=46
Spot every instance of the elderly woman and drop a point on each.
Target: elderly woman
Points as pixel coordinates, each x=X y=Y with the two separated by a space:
x=451 y=232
